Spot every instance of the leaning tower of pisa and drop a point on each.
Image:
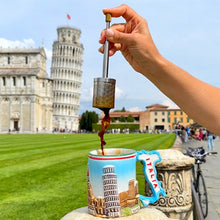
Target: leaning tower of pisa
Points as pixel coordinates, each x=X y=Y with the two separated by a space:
x=66 y=72
x=111 y=196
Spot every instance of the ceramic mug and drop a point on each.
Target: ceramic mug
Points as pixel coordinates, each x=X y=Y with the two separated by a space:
x=112 y=187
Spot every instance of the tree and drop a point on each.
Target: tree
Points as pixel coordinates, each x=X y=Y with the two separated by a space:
x=122 y=118
x=130 y=118
x=87 y=119
x=123 y=109
x=113 y=120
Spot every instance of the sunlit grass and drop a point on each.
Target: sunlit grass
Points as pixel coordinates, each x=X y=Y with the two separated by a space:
x=44 y=176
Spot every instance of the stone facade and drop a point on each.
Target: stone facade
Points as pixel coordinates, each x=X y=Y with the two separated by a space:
x=174 y=173
x=30 y=101
x=25 y=91
x=66 y=72
x=158 y=117
x=144 y=120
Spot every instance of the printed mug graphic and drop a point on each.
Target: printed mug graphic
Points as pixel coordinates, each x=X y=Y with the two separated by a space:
x=111 y=183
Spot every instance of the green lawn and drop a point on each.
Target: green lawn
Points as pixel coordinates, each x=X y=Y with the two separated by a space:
x=44 y=176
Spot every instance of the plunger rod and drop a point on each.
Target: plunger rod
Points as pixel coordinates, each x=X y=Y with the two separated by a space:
x=106 y=49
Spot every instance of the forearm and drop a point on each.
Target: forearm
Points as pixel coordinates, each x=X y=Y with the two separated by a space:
x=198 y=99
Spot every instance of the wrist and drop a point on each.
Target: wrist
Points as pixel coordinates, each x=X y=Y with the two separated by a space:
x=155 y=67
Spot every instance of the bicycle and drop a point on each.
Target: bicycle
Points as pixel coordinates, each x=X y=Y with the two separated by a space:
x=197 y=177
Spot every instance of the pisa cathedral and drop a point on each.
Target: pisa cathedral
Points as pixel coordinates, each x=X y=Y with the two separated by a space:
x=30 y=100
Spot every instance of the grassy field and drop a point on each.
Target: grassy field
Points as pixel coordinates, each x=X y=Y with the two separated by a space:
x=44 y=176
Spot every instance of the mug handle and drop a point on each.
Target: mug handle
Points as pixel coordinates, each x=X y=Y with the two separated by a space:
x=149 y=159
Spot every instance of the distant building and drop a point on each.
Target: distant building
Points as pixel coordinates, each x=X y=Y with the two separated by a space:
x=158 y=117
x=177 y=116
x=155 y=117
x=25 y=91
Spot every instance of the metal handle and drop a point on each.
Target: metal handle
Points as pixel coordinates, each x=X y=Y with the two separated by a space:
x=106 y=49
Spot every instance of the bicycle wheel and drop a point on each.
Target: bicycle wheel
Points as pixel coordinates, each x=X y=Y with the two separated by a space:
x=193 y=176
x=202 y=194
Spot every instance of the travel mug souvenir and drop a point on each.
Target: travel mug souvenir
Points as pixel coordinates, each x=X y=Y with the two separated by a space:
x=112 y=187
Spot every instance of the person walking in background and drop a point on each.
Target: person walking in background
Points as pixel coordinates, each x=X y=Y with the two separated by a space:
x=210 y=140
x=204 y=134
x=188 y=132
x=200 y=134
x=192 y=133
x=184 y=136
x=197 y=134
x=134 y=40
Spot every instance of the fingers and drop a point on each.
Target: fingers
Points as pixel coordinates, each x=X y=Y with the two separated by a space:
x=115 y=34
x=102 y=37
x=118 y=27
x=125 y=11
x=112 y=49
x=119 y=34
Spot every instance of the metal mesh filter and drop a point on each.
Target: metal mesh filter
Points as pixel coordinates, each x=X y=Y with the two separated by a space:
x=104 y=93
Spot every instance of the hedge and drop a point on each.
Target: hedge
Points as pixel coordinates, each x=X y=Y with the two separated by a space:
x=132 y=126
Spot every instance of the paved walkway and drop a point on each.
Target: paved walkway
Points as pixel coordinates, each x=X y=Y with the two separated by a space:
x=211 y=171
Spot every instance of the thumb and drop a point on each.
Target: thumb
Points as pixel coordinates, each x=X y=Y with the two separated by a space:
x=117 y=36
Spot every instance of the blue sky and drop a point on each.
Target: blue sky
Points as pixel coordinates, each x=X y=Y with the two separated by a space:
x=186 y=32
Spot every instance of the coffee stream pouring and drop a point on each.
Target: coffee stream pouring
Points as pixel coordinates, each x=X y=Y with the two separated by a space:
x=104 y=88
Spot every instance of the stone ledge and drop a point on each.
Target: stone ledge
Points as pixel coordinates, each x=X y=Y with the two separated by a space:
x=174 y=159
x=144 y=214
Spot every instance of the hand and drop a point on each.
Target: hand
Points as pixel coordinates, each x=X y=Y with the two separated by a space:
x=132 y=38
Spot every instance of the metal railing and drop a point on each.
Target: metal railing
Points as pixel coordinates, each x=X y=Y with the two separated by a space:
x=197 y=212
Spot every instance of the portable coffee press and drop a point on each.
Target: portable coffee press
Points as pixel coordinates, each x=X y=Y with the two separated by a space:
x=104 y=88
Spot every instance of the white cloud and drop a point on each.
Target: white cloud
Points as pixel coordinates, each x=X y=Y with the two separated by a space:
x=20 y=44
x=170 y=104
x=26 y=43
x=49 y=58
x=135 y=109
x=119 y=93
x=48 y=53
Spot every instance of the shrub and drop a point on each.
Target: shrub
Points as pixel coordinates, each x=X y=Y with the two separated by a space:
x=132 y=127
x=122 y=118
x=130 y=118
